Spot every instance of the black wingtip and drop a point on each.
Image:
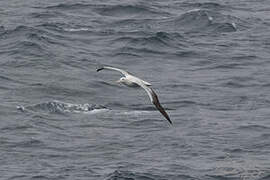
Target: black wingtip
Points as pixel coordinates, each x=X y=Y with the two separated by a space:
x=99 y=69
x=169 y=121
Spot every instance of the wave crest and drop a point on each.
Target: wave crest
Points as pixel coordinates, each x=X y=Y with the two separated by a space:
x=62 y=107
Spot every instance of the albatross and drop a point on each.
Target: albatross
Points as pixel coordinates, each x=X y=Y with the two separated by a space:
x=133 y=81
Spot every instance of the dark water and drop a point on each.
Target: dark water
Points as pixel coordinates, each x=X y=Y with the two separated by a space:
x=207 y=60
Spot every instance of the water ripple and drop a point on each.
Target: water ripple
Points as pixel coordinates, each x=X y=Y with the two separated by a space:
x=61 y=107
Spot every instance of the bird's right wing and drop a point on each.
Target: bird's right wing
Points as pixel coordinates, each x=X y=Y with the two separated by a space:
x=125 y=73
x=154 y=99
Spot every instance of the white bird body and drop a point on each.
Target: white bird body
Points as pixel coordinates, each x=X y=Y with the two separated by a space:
x=133 y=81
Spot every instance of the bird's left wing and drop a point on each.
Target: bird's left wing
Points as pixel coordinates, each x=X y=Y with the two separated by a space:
x=125 y=73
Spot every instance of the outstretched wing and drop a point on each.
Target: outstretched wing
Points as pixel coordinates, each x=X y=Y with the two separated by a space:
x=154 y=99
x=125 y=73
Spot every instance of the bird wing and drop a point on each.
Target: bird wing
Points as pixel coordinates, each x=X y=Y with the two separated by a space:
x=125 y=73
x=154 y=99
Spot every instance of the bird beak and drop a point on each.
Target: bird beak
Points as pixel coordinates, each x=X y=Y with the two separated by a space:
x=118 y=81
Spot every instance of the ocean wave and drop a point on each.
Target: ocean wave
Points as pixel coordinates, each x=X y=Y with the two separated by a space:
x=265 y=177
x=128 y=10
x=201 y=20
x=7 y=79
x=46 y=14
x=205 y=5
x=158 y=40
x=205 y=20
x=254 y=127
x=17 y=31
x=140 y=50
x=29 y=41
x=126 y=175
x=192 y=21
x=53 y=26
x=2 y=29
x=39 y=32
x=183 y=103
x=239 y=82
x=126 y=54
x=244 y=103
x=72 y=6
x=62 y=107
x=29 y=46
x=20 y=32
x=76 y=29
x=236 y=171
x=16 y=127
x=142 y=26
x=110 y=10
x=60 y=33
x=29 y=143
x=265 y=136
x=152 y=50
x=7 y=83
x=26 y=48
x=45 y=39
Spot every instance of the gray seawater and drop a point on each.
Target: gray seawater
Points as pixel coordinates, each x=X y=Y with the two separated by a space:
x=207 y=60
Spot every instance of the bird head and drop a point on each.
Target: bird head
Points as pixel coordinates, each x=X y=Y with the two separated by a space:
x=121 y=80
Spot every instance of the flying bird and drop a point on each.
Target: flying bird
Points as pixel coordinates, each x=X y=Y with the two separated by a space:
x=133 y=81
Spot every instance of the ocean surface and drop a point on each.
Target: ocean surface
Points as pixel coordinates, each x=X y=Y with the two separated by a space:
x=208 y=61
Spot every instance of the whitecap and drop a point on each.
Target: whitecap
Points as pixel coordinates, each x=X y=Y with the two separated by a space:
x=193 y=10
x=62 y=107
x=76 y=30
